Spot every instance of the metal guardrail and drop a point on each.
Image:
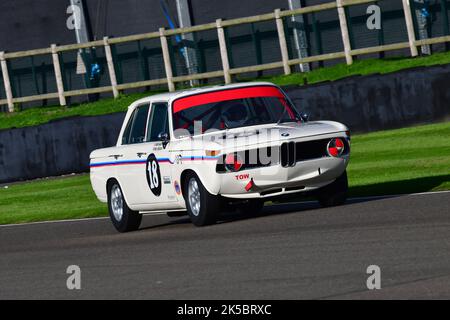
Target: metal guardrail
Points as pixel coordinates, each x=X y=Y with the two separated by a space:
x=226 y=71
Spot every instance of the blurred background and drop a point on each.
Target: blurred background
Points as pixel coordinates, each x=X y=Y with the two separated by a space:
x=31 y=24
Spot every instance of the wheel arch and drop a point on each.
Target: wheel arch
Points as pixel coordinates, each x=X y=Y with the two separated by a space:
x=211 y=185
x=110 y=182
x=183 y=177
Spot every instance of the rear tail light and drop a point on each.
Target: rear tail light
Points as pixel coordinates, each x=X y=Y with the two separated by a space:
x=233 y=162
x=335 y=147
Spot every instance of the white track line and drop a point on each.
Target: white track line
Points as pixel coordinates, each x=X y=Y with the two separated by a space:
x=400 y=195
x=68 y=220
x=163 y=213
x=52 y=221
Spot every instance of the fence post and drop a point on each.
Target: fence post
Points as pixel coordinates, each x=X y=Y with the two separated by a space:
x=7 y=82
x=344 y=32
x=223 y=51
x=166 y=56
x=410 y=28
x=283 y=44
x=112 y=71
x=58 y=76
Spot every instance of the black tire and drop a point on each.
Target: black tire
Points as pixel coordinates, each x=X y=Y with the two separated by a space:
x=130 y=220
x=209 y=205
x=334 y=194
x=251 y=207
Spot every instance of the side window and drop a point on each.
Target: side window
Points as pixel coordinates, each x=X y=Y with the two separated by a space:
x=126 y=133
x=159 y=121
x=137 y=134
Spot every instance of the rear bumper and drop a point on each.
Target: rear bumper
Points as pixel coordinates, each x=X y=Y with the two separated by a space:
x=277 y=180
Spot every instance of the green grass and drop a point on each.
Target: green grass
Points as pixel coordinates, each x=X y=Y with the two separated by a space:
x=408 y=160
x=361 y=67
x=52 y=199
x=415 y=159
x=37 y=116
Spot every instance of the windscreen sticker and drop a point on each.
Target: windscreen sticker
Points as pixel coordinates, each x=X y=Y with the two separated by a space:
x=225 y=95
x=177 y=187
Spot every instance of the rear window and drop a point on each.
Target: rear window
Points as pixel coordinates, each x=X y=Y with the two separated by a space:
x=135 y=131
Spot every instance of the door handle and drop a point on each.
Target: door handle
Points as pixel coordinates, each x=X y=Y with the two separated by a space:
x=116 y=156
x=140 y=154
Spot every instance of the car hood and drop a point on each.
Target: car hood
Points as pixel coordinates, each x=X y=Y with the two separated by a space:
x=248 y=136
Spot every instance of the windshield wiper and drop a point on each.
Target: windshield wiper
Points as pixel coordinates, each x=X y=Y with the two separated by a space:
x=225 y=124
x=282 y=116
x=283 y=119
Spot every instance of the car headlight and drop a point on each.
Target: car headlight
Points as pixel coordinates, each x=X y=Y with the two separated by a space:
x=335 y=147
x=233 y=162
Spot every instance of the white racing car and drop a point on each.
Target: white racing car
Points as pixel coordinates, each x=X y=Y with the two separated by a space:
x=204 y=150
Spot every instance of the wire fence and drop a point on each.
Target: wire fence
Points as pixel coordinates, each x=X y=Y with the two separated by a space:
x=222 y=51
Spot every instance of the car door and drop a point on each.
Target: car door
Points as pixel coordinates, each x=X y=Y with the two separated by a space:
x=129 y=166
x=156 y=186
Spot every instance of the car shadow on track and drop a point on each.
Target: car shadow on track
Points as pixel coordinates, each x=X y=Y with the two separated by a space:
x=416 y=185
x=283 y=208
x=232 y=216
x=358 y=194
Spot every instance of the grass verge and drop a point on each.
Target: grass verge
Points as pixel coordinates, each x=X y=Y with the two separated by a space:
x=361 y=67
x=415 y=159
x=37 y=116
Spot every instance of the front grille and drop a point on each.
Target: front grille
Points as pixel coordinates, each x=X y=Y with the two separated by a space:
x=292 y=152
x=294 y=188
x=288 y=154
x=265 y=193
x=311 y=149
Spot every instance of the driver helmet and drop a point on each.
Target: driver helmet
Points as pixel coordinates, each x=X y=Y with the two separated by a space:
x=235 y=114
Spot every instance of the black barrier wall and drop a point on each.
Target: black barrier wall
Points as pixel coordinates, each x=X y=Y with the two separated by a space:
x=364 y=104
x=379 y=102
x=56 y=148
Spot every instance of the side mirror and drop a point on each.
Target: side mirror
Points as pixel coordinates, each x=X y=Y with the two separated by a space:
x=305 y=116
x=164 y=137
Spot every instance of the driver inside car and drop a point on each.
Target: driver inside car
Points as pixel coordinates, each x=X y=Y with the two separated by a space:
x=235 y=115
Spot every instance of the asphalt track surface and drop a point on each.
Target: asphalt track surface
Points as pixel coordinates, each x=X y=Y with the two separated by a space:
x=292 y=251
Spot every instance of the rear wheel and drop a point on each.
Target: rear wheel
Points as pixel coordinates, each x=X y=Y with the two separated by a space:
x=334 y=194
x=203 y=208
x=123 y=218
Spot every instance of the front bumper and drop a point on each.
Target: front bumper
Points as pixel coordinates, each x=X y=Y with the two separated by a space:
x=277 y=180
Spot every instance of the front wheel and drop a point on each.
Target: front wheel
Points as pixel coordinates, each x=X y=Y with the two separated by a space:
x=203 y=207
x=123 y=218
x=334 y=194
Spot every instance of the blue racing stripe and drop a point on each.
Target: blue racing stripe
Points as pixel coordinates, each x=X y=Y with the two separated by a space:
x=161 y=160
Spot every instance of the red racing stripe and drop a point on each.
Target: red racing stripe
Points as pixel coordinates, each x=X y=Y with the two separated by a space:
x=225 y=95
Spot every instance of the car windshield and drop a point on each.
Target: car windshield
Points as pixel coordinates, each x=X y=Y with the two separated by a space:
x=233 y=108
